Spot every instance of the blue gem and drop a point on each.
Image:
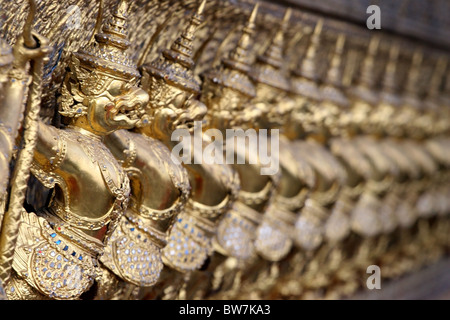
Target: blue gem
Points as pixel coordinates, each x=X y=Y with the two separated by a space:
x=74 y=253
x=80 y=258
x=131 y=229
x=65 y=248
x=53 y=235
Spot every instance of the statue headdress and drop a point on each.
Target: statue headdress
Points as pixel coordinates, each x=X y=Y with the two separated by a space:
x=105 y=59
x=365 y=86
x=410 y=91
x=176 y=64
x=306 y=76
x=268 y=67
x=234 y=71
x=332 y=89
x=389 y=83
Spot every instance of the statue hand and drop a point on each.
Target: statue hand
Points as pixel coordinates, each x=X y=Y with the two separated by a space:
x=163 y=122
x=196 y=110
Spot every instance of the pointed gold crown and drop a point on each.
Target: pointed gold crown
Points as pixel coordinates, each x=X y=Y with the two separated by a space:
x=334 y=73
x=368 y=66
x=176 y=64
x=437 y=78
x=234 y=70
x=308 y=67
x=108 y=54
x=268 y=68
x=305 y=76
x=332 y=89
x=410 y=91
x=365 y=86
x=389 y=82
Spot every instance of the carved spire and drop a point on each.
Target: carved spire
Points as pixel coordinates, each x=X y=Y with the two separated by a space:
x=273 y=55
x=390 y=86
x=365 y=85
x=414 y=72
x=437 y=78
x=181 y=49
x=108 y=54
x=367 y=78
x=176 y=64
x=304 y=80
x=389 y=81
x=410 y=91
x=268 y=68
x=332 y=88
x=308 y=67
x=240 y=57
x=334 y=74
x=234 y=70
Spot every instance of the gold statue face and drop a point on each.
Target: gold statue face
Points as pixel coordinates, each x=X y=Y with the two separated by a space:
x=308 y=115
x=119 y=108
x=380 y=117
x=407 y=120
x=226 y=106
x=356 y=118
x=99 y=103
x=328 y=115
x=170 y=107
x=274 y=105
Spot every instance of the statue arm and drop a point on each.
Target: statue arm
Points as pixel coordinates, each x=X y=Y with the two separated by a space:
x=122 y=146
x=14 y=98
x=50 y=148
x=11 y=109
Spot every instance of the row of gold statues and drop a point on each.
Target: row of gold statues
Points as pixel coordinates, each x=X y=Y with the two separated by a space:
x=363 y=177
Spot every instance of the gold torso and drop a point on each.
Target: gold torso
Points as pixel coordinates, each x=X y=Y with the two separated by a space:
x=105 y=183
x=159 y=192
x=297 y=177
x=214 y=190
x=159 y=187
x=256 y=189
